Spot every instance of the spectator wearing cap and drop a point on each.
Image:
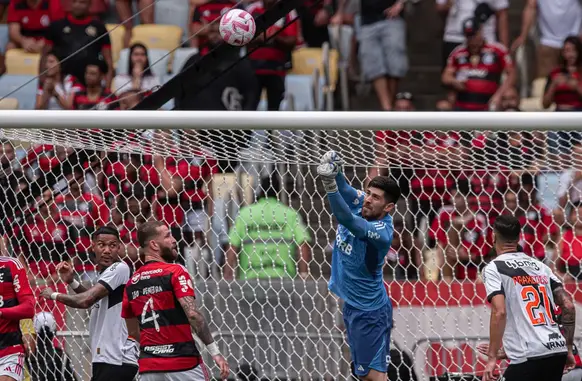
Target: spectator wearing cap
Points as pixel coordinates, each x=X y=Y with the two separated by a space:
x=457 y=11
x=49 y=362
x=474 y=70
x=404 y=102
x=265 y=237
x=556 y=20
x=383 y=54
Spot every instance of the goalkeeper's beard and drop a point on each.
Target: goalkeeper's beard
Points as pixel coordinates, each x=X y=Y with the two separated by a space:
x=369 y=215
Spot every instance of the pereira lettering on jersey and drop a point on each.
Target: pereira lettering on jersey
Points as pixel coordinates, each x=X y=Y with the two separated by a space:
x=151 y=296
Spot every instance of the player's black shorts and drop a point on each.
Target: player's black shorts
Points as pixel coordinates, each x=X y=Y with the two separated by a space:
x=110 y=372
x=545 y=369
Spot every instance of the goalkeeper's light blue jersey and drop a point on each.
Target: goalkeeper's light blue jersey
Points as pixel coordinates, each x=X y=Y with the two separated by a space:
x=358 y=258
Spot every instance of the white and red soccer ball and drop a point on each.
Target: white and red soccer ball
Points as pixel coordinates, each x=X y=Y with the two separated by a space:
x=237 y=27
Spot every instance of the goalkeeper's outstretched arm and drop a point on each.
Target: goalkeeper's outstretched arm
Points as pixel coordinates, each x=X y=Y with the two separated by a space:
x=348 y=193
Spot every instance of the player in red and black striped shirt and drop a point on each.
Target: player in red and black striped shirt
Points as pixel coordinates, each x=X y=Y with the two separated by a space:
x=28 y=21
x=474 y=71
x=159 y=299
x=16 y=303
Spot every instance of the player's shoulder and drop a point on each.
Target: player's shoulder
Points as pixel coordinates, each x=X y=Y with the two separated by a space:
x=12 y=263
x=118 y=267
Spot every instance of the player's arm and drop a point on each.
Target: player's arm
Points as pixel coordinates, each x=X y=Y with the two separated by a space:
x=25 y=307
x=495 y=296
x=564 y=301
x=82 y=300
x=349 y=193
x=132 y=328
x=197 y=321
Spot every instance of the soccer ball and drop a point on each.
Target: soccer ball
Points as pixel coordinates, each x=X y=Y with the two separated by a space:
x=237 y=27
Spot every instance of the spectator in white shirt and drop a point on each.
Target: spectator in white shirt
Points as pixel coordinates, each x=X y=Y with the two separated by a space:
x=139 y=75
x=457 y=11
x=556 y=19
x=56 y=90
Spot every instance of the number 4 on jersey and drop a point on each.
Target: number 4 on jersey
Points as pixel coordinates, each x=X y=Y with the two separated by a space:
x=535 y=299
x=144 y=319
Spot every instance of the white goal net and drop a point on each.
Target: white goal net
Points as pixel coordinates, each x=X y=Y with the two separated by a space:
x=266 y=298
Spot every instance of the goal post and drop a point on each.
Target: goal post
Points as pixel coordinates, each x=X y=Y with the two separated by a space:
x=209 y=175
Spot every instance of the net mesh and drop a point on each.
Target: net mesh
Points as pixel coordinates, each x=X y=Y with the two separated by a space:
x=274 y=312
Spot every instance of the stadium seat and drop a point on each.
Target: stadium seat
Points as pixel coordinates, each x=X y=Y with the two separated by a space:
x=26 y=96
x=18 y=62
x=172 y=12
x=116 y=33
x=180 y=57
x=306 y=60
x=537 y=87
x=532 y=104
x=9 y=104
x=3 y=36
x=158 y=59
x=156 y=36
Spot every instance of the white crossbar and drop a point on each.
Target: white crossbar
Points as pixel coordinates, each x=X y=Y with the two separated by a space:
x=290 y=120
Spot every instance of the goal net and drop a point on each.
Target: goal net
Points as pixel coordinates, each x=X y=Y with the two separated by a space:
x=266 y=298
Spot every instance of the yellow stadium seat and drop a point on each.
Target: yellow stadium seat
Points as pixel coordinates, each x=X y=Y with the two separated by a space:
x=306 y=60
x=155 y=36
x=116 y=36
x=9 y=104
x=534 y=104
x=18 y=62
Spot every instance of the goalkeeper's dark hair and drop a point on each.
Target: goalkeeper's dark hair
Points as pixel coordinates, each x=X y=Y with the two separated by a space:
x=507 y=228
x=389 y=186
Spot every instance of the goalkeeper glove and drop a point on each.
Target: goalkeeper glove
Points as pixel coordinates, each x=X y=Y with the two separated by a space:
x=327 y=172
x=332 y=157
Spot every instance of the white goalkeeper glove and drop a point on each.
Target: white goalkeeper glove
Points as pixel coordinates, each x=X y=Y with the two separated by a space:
x=332 y=157
x=327 y=173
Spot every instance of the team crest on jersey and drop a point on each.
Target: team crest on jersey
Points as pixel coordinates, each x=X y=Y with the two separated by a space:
x=91 y=31
x=135 y=278
x=488 y=58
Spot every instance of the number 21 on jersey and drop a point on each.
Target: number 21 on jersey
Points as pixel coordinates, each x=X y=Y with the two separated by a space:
x=537 y=305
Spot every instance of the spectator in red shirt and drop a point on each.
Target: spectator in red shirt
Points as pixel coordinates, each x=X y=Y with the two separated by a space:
x=413 y=157
x=569 y=253
x=94 y=96
x=563 y=85
x=205 y=12
x=271 y=61
x=56 y=90
x=84 y=212
x=538 y=226
x=474 y=70
x=403 y=256
x=28 y=22
x=462 y=235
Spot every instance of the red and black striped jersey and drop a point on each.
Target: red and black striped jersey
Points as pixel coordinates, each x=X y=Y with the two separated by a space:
x=273 y=59
x=14 y=288
x=151 y=296
x=566 y=97
x=34 y=21
x=481 y=73
x=105 y=101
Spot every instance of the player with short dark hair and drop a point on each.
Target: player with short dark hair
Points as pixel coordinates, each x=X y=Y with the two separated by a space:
x=525 y=290
x=16 y=304
x=159 y=307
x=114 y=353
x=363 y=240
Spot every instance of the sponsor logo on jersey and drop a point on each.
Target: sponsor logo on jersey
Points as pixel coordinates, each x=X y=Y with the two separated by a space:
x=159 y=349
x=373 y=235
x=555 y=341
x=554 y=336
x=145 y=275
x=521 y=263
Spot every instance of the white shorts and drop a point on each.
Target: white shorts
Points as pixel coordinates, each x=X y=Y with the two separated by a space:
x=13 y=366
x=200 y=373
x=196 y=220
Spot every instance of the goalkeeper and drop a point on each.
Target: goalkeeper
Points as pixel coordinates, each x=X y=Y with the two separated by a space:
x=362 y=241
